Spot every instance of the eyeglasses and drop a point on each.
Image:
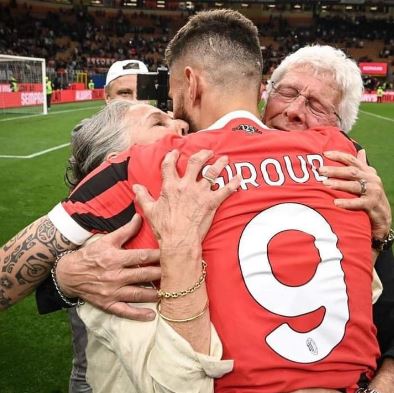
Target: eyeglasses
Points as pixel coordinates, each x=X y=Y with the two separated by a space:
x=313 y=105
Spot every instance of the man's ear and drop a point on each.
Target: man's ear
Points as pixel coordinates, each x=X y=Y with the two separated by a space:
x=106 y=94
x=194 y=85
x=110 y=155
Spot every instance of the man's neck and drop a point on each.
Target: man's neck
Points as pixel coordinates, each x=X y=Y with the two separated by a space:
x=214 y=109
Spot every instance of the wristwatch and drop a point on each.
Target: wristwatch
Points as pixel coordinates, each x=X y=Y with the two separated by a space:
x=367 y=390
x=385 y=244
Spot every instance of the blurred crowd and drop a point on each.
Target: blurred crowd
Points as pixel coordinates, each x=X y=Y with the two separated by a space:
x=74 y=40
x=343 y=31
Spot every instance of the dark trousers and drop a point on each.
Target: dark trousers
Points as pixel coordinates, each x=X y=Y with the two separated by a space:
x=49 y=98
x=78 y=383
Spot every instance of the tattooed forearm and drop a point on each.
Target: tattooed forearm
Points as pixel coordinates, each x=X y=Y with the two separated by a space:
x=32 y=271
x=27 y=259
x=5 y=301
x=48 y=236
x=5 y=282
x=45 y=234
x=12 y=242
x=16 y=252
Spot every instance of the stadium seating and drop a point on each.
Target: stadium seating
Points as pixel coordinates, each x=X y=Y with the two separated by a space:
x=89 y=39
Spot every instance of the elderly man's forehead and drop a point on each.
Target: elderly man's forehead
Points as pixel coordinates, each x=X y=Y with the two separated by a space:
x=308 y=69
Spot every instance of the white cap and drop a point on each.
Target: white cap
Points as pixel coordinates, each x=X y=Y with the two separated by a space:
x=125 y=67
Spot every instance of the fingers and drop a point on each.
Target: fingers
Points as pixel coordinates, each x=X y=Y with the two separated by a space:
x=193 y=169
x=140 y=275
x=124 y=233
x=232 y=186
x=362 y=156
x=351 y=204
x=211 y=172
x=136 y=294
x=114 y=301
x=132 y=258
x=142 y=197
x=350 y=173
x=352 y=187
x=341 y=172
x=196 y=162
x=168 y=166
x=344 y=158
x=128 y=311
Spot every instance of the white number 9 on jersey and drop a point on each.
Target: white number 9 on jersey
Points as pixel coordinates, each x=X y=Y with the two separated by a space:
x=327 y=288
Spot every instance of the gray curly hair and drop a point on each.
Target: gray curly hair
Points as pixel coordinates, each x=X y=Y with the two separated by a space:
x=94 y=138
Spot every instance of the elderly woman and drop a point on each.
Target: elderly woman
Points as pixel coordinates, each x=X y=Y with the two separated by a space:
x=100 y=138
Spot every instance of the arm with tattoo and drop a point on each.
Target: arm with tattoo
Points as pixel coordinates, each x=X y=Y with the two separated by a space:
x=27 y=259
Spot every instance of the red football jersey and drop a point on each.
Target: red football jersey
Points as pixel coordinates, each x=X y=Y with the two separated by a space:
x=289 y=273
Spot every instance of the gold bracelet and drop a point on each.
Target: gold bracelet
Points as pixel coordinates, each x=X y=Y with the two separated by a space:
x=182 y=320
x=174 y=295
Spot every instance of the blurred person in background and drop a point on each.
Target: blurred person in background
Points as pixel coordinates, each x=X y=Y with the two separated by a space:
x=379 y=94
x=14 y=85
x=121 y=81
x=49 y=91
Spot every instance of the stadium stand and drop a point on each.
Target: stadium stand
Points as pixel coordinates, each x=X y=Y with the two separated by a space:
x=75 y=38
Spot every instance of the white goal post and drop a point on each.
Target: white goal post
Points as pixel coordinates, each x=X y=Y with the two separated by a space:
x=22 y=85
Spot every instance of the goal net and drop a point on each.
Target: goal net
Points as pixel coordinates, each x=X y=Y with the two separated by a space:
x=22 y=85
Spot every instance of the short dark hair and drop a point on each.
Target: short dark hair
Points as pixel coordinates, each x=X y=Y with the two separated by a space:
x=217 y=39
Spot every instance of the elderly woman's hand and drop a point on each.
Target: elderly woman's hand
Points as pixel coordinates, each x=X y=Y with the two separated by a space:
x=358 y=178
x=186 y=205
x=180 y=218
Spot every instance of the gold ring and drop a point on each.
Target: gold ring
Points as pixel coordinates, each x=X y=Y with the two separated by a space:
x=211 y=180
x=363 y=184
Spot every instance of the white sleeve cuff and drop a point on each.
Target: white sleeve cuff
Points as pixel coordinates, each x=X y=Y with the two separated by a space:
x=67 y=226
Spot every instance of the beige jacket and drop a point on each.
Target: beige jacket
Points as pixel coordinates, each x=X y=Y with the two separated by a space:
x=126 y=356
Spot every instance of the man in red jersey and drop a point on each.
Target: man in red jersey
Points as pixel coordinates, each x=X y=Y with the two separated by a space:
x=271 y=354
x=278 y=350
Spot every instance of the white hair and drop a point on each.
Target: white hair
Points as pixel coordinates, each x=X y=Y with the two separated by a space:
x=326 y=59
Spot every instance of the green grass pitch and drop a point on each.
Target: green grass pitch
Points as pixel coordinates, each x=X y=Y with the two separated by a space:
x=35 y=354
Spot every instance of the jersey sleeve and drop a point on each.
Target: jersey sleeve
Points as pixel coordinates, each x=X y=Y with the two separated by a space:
x=104 y=200
x=101 y=203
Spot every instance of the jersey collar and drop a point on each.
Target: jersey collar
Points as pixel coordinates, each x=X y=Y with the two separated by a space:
x=220 y=123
